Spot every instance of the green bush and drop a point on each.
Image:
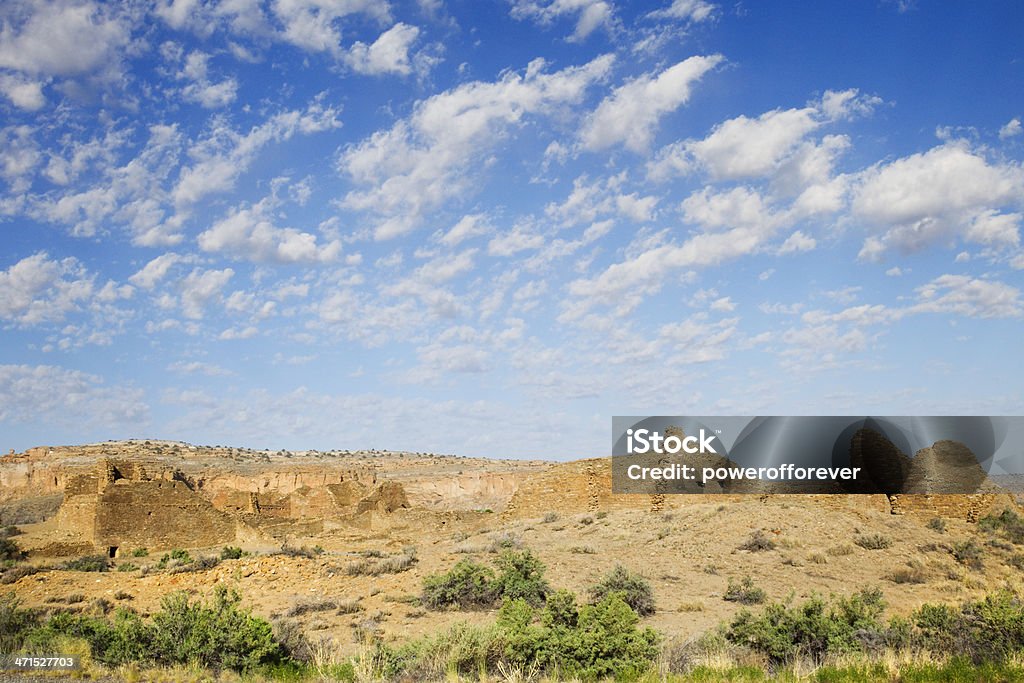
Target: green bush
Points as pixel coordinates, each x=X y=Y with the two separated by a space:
x=468 y=585
x=521 y=577
x=1008 y=522
x=15 y=623
x=968 y=553
x=89 y=563
x=175 y=558
x=593 y=642
x=127 y=567
x=635 y=590
x=873 y=542
x=937 y=524
x=744 y=592
x=219 y=635
x=759 y=541
x=990 y=629
x=230 y=553
x=812 y=629
x=140 y=552
x=9 y=550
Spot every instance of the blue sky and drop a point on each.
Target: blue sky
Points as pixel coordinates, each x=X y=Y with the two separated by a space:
x=484 y=228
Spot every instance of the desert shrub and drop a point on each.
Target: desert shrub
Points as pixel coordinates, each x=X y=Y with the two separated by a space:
x=127 y=567
x=174 y=558
x=230 y=552
x=594 y=642
x=635 y=590
x=588 y=643
x=15 y=623
x=990 y=629
x=758 y=542
x=937 y=524
x=89 y=563
x=521 y=577
x=550 y=517
x=9 y=550
x=908 y=575
x=376 y=564
x=504 y=541
x=468 y=585
x=812 y=629
x=14 y=573
x=1008 y=522
x=126 y=638
x=123 y=595
x=308 y=553
x=303 y=608
x=873 y=542
x=744 y=592
x=840 y=550
x=10 y=530
x=582 y=550
x=349 y=606
x=218 y=635
x=140 y=552
x=602 y=514
x=196 y=565
x=968 y=553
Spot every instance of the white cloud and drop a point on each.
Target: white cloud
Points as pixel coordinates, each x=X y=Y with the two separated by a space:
x=198 y=368
x=23 y=93
x=224 y=154
x=249 y=233
x=686 y=10
x=423 y=161
x=967 y=296
x=738 y=222
x=45 y=394
x=934 y=196
x=155 y=271
x=1011 y=129
x=388 y=54
x=19 y=156
x=796 y=242
x=38 y=289
x=632 y=112
x=589 y=201
x=724 y=304
x=200 y=287
x=520 y=238
x=313 y=24
x=201 y=89
x=592 y=14
x=470 y=225
x=61 y=38
x=751 y=148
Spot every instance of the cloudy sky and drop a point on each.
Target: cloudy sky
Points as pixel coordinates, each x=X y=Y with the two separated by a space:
x=486 y=226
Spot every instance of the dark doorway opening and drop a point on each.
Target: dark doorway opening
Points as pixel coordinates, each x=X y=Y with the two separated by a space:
x=112 y=551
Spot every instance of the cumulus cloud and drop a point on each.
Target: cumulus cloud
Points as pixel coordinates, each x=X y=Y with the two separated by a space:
x=423 y=161
x=630 y=115
x=46 y=394
x=388 y=54
x=225 y=153
x=590 y=14
x=200 y=287
x=967 y=296
x=313 y=24
x=686 y=10
x=155 y=270
x=38 y=289
x=1011 y=129
x=933 y=197
x=60 y=38
x=201 y=89
x=250 y=233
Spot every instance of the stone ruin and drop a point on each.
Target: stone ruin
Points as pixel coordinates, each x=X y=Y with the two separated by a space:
x=118 y=507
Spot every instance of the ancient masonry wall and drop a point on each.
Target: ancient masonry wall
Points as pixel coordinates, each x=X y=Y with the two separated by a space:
x=585 y=486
